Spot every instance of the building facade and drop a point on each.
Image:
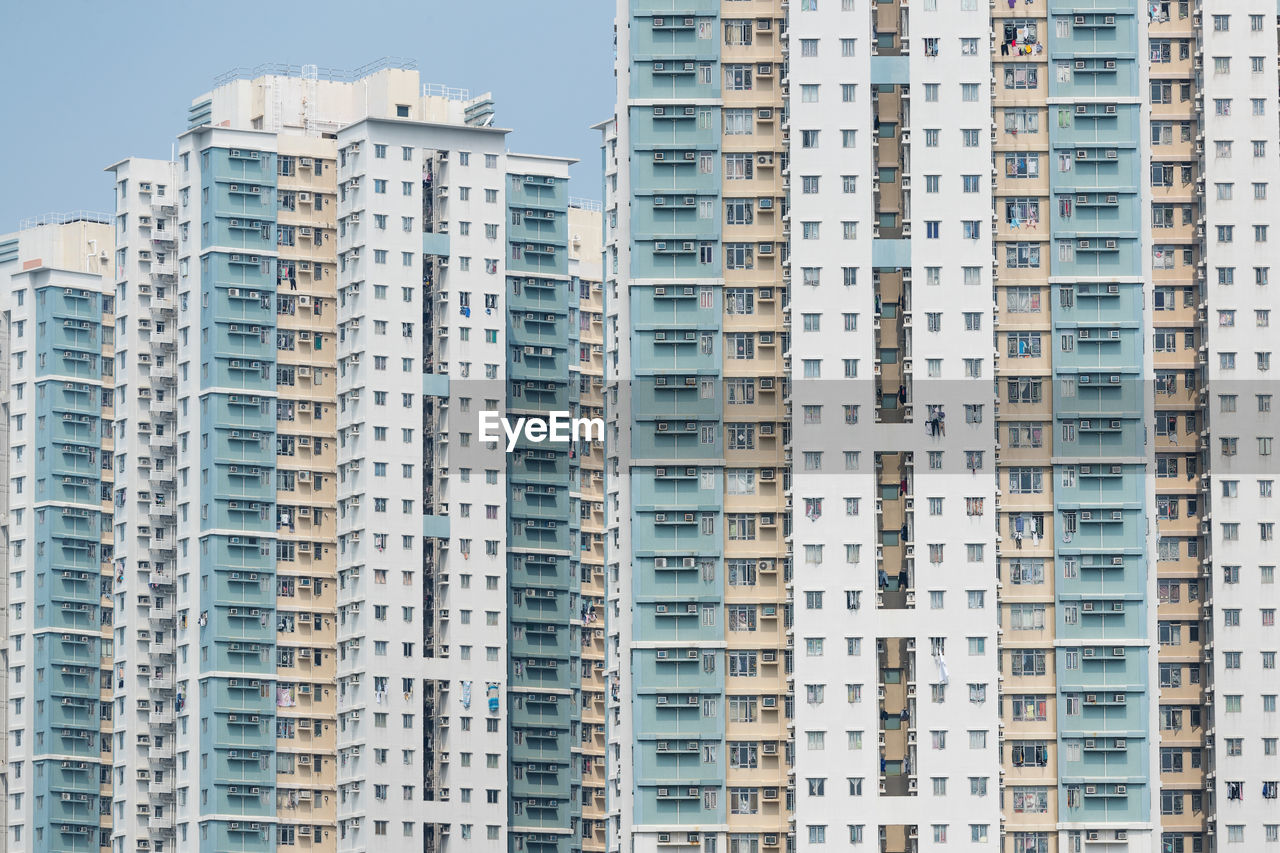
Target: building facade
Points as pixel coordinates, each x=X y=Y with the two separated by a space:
x=1073 y=166
x=931 y=507
x=58 y=393
x=313 y=643
x=699 y=661
x=1237 y=153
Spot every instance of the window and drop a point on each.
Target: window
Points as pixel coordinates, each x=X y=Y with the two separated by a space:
x=1022 y=255
x=1015 y=77
x=737 y=77
x=1021 y=165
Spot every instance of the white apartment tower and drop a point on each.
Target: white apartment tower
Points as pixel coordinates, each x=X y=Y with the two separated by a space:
x=312 y=648
x=896 y=682
x=1240 y=166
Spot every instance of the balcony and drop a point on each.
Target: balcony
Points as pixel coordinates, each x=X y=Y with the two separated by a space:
x=161 y=718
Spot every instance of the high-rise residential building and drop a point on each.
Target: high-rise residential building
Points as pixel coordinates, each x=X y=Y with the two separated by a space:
x=57 y=392
x=330 y=612
x=897 y=734
x=1074 y=414
x=1071 y=165
x=700 y=664
x=931 y=506
x=1239 y=151
x=1176 y=201
x=587 y=287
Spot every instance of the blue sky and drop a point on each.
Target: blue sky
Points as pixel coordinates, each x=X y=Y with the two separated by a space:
x=88 y=83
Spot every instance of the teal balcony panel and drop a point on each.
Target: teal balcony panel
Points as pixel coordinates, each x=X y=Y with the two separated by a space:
x=542 y=785
x=435 y=384
x=675 y=762
x=541 y=191
x=525 y=712
x=1112 y=125
x=68 y=303
x=240 y=164
x=673 y=82
x=650 y=262
x=650 y=808
x=1101 y=666
x=1107 y=805
x=890 y=70
x=675 y=718
x=891 y=254
x=643 y=10
x=683 y=446
x=672 y=37
x=246 y=699
x=666 y=177
x=252 y=275
x=678 y=584
x=676 y=486
x=542 y=644
x=244 y=199
x=250 y=836
x=545 y=606
x=435 y=244
x=538 y=747
x=250 y=303
x=539 y=536
x=673 y=668
x=244 y=800
x=252 y=232
x=435 y=526
x=674 y=127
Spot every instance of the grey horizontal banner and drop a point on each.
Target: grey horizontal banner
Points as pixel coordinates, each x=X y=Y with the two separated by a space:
x=1093 y=417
